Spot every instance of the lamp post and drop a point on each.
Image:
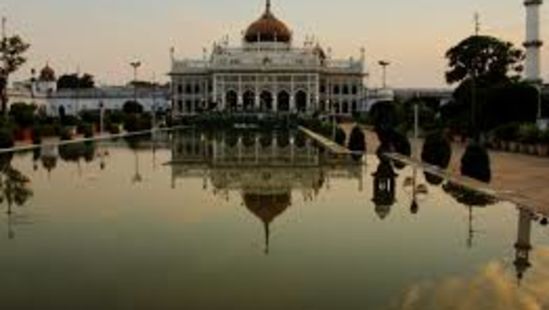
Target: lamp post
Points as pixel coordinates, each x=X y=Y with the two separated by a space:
x=384 y=64
x=135 y=65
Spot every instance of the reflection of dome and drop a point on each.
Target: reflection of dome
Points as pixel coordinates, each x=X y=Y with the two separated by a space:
x=267 y=208
x=268 y=29
x=47 y=74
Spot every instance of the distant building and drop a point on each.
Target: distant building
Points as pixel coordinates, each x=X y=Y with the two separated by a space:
x=43 y=92
x=268 y=74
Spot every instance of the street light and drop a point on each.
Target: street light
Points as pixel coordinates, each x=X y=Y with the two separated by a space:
x=384 y=64
x=135 y=65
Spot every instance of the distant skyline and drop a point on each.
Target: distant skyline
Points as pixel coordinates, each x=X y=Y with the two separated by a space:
x=101 y=37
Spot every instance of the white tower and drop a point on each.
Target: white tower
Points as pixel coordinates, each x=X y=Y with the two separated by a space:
x=533 y=42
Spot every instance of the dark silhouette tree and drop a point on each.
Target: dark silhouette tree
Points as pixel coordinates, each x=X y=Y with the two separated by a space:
x=486 y=58
x=12 y=50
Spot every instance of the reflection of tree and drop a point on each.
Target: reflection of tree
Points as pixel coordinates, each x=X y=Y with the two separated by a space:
x=467 y=196
x=76 y=151
x=14 y=188
x=471 y=199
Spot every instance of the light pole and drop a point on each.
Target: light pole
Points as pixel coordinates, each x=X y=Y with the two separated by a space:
x=135 y=65
x=384 y=64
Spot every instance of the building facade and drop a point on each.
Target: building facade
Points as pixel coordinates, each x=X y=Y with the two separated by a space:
x=268 y=74
x=42 y=92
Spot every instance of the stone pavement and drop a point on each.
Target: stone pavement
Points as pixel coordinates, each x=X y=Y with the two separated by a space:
x=524 y=179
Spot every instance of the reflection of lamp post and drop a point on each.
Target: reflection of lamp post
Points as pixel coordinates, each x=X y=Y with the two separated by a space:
x=384 y=64
x=137 y=178
x=417 y=190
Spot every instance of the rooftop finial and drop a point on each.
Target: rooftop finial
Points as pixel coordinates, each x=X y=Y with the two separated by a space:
x=268 y=6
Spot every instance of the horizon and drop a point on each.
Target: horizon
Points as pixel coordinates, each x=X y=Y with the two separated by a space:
x=153 y=28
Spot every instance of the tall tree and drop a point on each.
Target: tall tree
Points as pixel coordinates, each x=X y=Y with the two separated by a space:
x=486 y=58
x=12 y=50
x=480 y=64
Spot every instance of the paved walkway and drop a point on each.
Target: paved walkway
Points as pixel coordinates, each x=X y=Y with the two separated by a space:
x=329 y=144
x=522 y=179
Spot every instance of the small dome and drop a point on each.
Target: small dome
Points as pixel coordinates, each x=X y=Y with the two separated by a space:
x=268 y=28
x=47 y=74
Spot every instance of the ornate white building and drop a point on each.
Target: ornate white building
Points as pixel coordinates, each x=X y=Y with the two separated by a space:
x=268 y=74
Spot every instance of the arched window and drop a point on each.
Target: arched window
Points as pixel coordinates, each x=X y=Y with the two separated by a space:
x=336 y=89
x=301 y=101
x=345 y=89
x=231 y=99
x=283 y=101
x=266 y=99
x=249 y=100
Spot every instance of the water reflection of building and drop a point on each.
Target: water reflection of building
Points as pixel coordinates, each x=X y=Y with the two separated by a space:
x=265 y=168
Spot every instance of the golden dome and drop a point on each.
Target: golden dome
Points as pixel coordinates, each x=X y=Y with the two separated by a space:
x=47 y=74
x=268 y=28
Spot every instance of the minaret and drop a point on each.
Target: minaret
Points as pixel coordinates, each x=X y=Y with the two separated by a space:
x=523 y=246
x=533 y=42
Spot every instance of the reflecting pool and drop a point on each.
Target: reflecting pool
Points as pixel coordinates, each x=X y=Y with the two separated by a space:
x=254 y=220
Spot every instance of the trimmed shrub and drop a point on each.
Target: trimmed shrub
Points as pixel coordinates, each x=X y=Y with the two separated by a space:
x=357 y=140
x=475 y=163
x=340 y=137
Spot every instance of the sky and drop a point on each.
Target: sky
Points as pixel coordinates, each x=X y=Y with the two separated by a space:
x=102 y=36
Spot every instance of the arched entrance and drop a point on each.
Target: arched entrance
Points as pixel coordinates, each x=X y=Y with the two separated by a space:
x=266 y=99
x=231 y=99
x=301 y=101
x=345 y=107
x=336 y=108
x=283 y=101
x=249 y=101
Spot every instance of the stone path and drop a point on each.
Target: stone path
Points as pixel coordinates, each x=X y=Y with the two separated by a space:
x=522 y=179
x=329 y=144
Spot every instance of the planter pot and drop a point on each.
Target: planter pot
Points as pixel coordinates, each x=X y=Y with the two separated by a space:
x=542 y=149
x=532 y=149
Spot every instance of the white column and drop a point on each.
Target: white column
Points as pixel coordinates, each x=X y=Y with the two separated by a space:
x=533 y=41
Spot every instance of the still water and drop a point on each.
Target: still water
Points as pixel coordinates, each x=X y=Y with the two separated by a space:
x=246 y=221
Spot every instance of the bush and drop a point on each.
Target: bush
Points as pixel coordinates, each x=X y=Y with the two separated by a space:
x=357 y=142
x=113 y=128
x=6 y=138
x=85 y=129
x=36 y=134
x=69 y=120
x=476 y=163
x=507 y=132
x=528 y=133
x=23 y=114
x=132 y=107
x=544 y=137
x=437 y=150
x=340 y=137
x=65 y=134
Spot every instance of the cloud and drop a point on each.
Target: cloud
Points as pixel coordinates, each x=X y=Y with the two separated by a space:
x=494 y=286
